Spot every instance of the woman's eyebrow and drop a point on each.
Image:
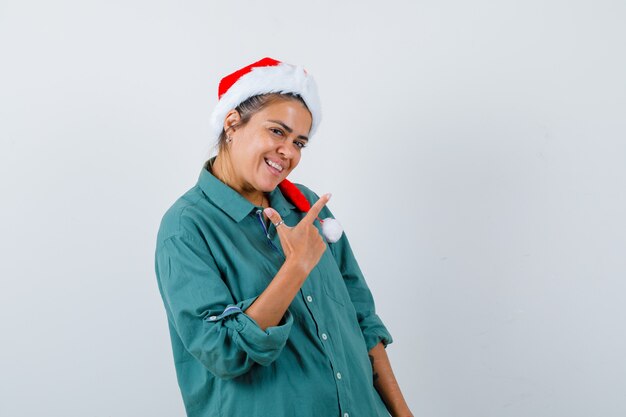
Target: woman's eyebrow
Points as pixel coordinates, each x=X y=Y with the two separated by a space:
x=288 y=129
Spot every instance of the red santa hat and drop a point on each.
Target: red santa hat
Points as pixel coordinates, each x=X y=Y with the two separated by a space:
x=267 y=75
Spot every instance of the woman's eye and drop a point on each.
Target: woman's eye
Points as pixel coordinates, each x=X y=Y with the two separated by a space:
x=300 y=144
x=276 y=131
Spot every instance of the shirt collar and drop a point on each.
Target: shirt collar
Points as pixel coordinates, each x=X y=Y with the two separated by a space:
x=233 y=203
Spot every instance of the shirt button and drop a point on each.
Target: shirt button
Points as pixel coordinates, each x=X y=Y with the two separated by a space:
x=346 y=415
x=324 y=336
x=213 y=318
x=338 y=375
x=309 y=298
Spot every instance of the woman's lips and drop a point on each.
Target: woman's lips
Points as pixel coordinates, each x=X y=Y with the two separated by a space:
x=272 y=169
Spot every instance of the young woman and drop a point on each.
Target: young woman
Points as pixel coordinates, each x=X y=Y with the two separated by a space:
x=267 y=317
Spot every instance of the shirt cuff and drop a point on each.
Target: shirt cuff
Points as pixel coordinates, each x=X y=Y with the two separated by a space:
x=374 y=331
x=262 y=346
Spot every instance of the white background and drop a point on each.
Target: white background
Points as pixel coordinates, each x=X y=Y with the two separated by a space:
x=475 y=151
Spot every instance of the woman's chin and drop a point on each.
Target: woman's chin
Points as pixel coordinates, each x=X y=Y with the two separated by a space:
x=268 y=186
x=271 y=187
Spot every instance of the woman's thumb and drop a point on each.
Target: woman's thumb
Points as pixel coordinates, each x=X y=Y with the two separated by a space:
x=274 y=217
x=270 y=212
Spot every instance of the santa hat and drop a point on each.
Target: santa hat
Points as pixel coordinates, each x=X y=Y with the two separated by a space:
x=265 y=76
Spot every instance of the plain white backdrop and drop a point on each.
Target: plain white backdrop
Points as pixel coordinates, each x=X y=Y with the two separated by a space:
x=475 y=151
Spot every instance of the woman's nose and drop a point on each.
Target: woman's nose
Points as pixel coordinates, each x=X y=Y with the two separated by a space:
x=285 y=148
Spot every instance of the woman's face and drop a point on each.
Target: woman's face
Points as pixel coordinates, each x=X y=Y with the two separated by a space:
x=269 y=146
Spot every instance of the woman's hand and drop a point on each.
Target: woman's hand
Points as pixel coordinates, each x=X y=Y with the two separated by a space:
x=302 y=244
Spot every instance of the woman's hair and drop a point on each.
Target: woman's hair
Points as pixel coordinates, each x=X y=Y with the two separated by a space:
x=249 y=108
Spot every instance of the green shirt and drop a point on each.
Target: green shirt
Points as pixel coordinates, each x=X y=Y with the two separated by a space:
x=213 y=258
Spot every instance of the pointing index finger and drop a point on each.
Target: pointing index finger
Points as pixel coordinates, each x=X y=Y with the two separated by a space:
x=316 y=208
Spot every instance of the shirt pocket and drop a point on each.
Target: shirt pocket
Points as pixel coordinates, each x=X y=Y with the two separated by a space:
x=332 y=279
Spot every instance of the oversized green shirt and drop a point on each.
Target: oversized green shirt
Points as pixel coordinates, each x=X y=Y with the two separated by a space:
x=214 y=256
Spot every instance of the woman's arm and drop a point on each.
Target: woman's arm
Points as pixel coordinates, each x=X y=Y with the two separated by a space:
x=271 y=305
x=201 y=309
x=386 y=384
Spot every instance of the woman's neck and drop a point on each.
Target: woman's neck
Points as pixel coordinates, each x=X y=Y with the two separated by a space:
x=218 y=170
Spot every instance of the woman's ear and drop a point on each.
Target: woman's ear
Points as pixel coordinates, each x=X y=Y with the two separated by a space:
x=231 y=120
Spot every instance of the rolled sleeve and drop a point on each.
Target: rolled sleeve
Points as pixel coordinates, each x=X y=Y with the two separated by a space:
x=262 y=346
x=374 y=331
x=210 y=324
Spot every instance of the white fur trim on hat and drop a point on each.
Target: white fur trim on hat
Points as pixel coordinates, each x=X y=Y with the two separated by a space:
x=281 y=78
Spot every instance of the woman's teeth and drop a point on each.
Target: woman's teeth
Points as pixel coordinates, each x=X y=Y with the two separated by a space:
x=273 y=165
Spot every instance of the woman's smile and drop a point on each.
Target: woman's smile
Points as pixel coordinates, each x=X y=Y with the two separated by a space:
x=274 y=167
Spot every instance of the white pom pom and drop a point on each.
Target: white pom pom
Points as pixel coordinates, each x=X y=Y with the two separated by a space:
x=332 y=229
